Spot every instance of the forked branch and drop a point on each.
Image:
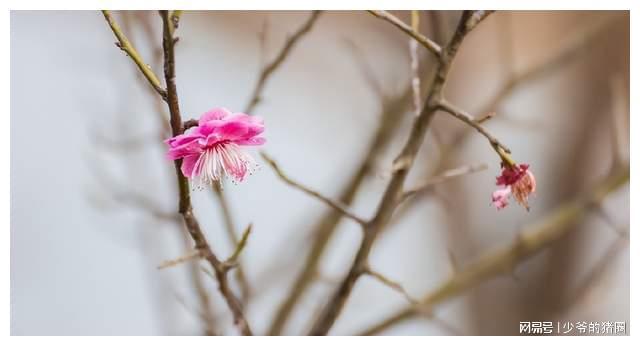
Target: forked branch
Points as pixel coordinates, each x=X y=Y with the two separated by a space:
x=532 y=240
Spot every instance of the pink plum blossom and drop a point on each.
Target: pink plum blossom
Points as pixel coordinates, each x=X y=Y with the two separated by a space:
x=517 y=181
x=213 y=149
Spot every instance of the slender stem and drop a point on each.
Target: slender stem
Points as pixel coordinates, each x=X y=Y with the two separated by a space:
x=333 y=204
x=415 y=68
x=240 y=246
x=458 y=113
x=230 y=228
x=185 y=207
x=531 y=241
x=328 y=222
x=124 y=44
x=182 y=259
x=429 y=44
x=402 y=165
x=391 y=284
x=268 y=70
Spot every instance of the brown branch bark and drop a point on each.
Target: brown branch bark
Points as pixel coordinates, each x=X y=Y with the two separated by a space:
x=458 y=113
x=391 y=197
x=392 y=107
x=329 y=221
x=265 y=74
x=532 y=240
x=185 y=207
x=395 y=21
x=225 y=208
x=268 y=70
x=336 y=205
x=570 y=51
x=396 y=286
x=124 y=44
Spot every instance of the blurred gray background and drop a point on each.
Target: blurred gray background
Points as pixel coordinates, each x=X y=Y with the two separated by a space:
x=87 y=163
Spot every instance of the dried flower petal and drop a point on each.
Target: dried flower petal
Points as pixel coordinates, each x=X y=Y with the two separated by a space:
x=517 y=180
x=500 y=197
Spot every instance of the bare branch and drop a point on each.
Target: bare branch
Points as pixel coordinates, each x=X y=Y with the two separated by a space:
x=429 y=44
x=182 y=259
x=230 y=228
x=443 y=177
x=476 y=18
x=333 y=204
x=391 y=284
x=206 y=311
x=460 y=114
x=531 y=241
x=572 y=49
x=622 y=232
x=594 y=278
x=124 y=44
x=618 y=114
x=280 y=58
x=233 y=259
x=413 y=54
x=185 y=207
x=393 y=192
x=328 y=222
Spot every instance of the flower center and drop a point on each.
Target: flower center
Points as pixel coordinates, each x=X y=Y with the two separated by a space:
x=223 y=159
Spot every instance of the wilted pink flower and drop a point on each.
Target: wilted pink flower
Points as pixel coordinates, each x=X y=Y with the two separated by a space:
x=212 y=149
x=517 y=180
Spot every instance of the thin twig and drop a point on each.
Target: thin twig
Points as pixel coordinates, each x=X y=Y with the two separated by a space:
x=429 y=44
x=206 y=309
x=604 y=215
x=589 y=284
x=392 y=106
x=185 y=207
x=327 y=223
x=230 y=228
x=460 y=114
x=413 y=54
x=402 y=164
x=531 y=241
x=574 y=47
x=569 y=52
x=443 y=177
x=124 y=44
x=280 y=58
x=182 y=259
x=391 y=284
x=328 y=201
x=233 y=259
x=619 y=112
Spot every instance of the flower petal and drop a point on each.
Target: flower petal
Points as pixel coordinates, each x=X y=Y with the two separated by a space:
x=214 y=114
x=500 y=197
x=183 y=145
x=189 y=165
x=251 y=141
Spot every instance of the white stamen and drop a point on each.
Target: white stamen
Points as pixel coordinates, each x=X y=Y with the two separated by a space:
x=223 y=160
